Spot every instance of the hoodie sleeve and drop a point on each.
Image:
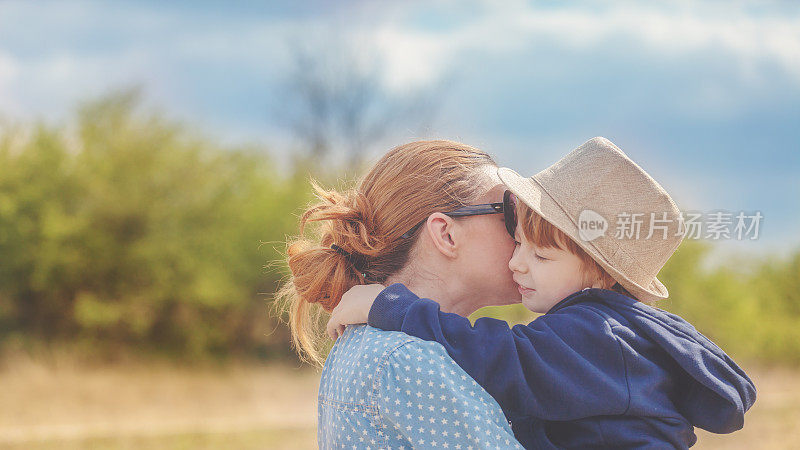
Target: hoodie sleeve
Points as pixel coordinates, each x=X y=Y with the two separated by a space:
x=561 y=366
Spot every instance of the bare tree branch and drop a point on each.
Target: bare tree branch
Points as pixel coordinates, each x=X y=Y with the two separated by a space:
x=338 y=103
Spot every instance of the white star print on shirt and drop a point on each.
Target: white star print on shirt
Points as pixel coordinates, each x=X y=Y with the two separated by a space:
x=386 y=389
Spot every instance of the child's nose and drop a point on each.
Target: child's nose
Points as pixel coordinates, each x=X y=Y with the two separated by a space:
x=515 y=263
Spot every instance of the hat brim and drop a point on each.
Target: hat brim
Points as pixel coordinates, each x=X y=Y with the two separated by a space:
x=533 y=194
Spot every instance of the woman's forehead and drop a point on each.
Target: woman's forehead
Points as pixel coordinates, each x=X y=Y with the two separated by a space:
x=495 y=194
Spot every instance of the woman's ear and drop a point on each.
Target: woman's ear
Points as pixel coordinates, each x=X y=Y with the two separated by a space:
x=440 y=228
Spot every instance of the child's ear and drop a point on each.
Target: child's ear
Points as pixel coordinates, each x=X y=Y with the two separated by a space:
x=440 y=229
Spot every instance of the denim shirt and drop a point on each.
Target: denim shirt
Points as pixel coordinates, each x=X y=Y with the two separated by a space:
x=383 y=389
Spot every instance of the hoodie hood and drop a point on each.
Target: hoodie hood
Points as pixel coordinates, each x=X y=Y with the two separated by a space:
x=718 y=392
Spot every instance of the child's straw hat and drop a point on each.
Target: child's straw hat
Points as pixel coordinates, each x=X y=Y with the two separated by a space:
x=597 y=196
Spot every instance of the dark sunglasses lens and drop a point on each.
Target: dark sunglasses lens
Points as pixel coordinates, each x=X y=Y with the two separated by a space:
x=510 y=212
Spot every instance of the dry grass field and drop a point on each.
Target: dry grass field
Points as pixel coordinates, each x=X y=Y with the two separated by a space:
x=65 y=406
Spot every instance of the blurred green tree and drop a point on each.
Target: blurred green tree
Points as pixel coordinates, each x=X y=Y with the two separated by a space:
x=131 y=232
x=128 y=232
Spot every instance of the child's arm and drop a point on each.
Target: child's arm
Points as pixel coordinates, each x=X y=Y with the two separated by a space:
x=353 y=308
x=559 y=367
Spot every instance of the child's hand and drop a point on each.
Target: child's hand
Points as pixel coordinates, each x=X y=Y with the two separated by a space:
x=353 y=308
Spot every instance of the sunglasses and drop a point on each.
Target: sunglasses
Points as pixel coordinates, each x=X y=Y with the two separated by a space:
x=508 y=207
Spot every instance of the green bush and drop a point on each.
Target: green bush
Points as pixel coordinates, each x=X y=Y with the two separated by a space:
x=128 y=232
x=750 y=308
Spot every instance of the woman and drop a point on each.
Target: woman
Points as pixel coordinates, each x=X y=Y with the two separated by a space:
x=429 y=215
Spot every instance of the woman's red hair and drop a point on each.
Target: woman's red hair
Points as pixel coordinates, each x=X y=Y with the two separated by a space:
x=404 y=187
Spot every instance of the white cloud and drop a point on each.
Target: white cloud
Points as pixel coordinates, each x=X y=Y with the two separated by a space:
x=414 y=56
x=151 y=41
x=412 y=59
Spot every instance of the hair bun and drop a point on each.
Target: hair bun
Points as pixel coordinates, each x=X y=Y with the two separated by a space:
x=361 y=228
x=356 y=260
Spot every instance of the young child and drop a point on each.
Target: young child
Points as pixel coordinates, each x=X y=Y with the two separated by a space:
x=600 y=368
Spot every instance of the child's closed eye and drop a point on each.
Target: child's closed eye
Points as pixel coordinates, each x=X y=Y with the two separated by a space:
x=540 y=258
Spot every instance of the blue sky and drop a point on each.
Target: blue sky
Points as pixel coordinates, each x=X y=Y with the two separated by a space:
x=704 y=95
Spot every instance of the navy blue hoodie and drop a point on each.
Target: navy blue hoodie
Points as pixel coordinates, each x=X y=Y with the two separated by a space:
x=599 y=370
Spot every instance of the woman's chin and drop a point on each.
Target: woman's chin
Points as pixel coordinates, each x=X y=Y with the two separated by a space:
x=511 y=296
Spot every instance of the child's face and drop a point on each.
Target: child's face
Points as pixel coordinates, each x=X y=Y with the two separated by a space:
x=544 y=276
